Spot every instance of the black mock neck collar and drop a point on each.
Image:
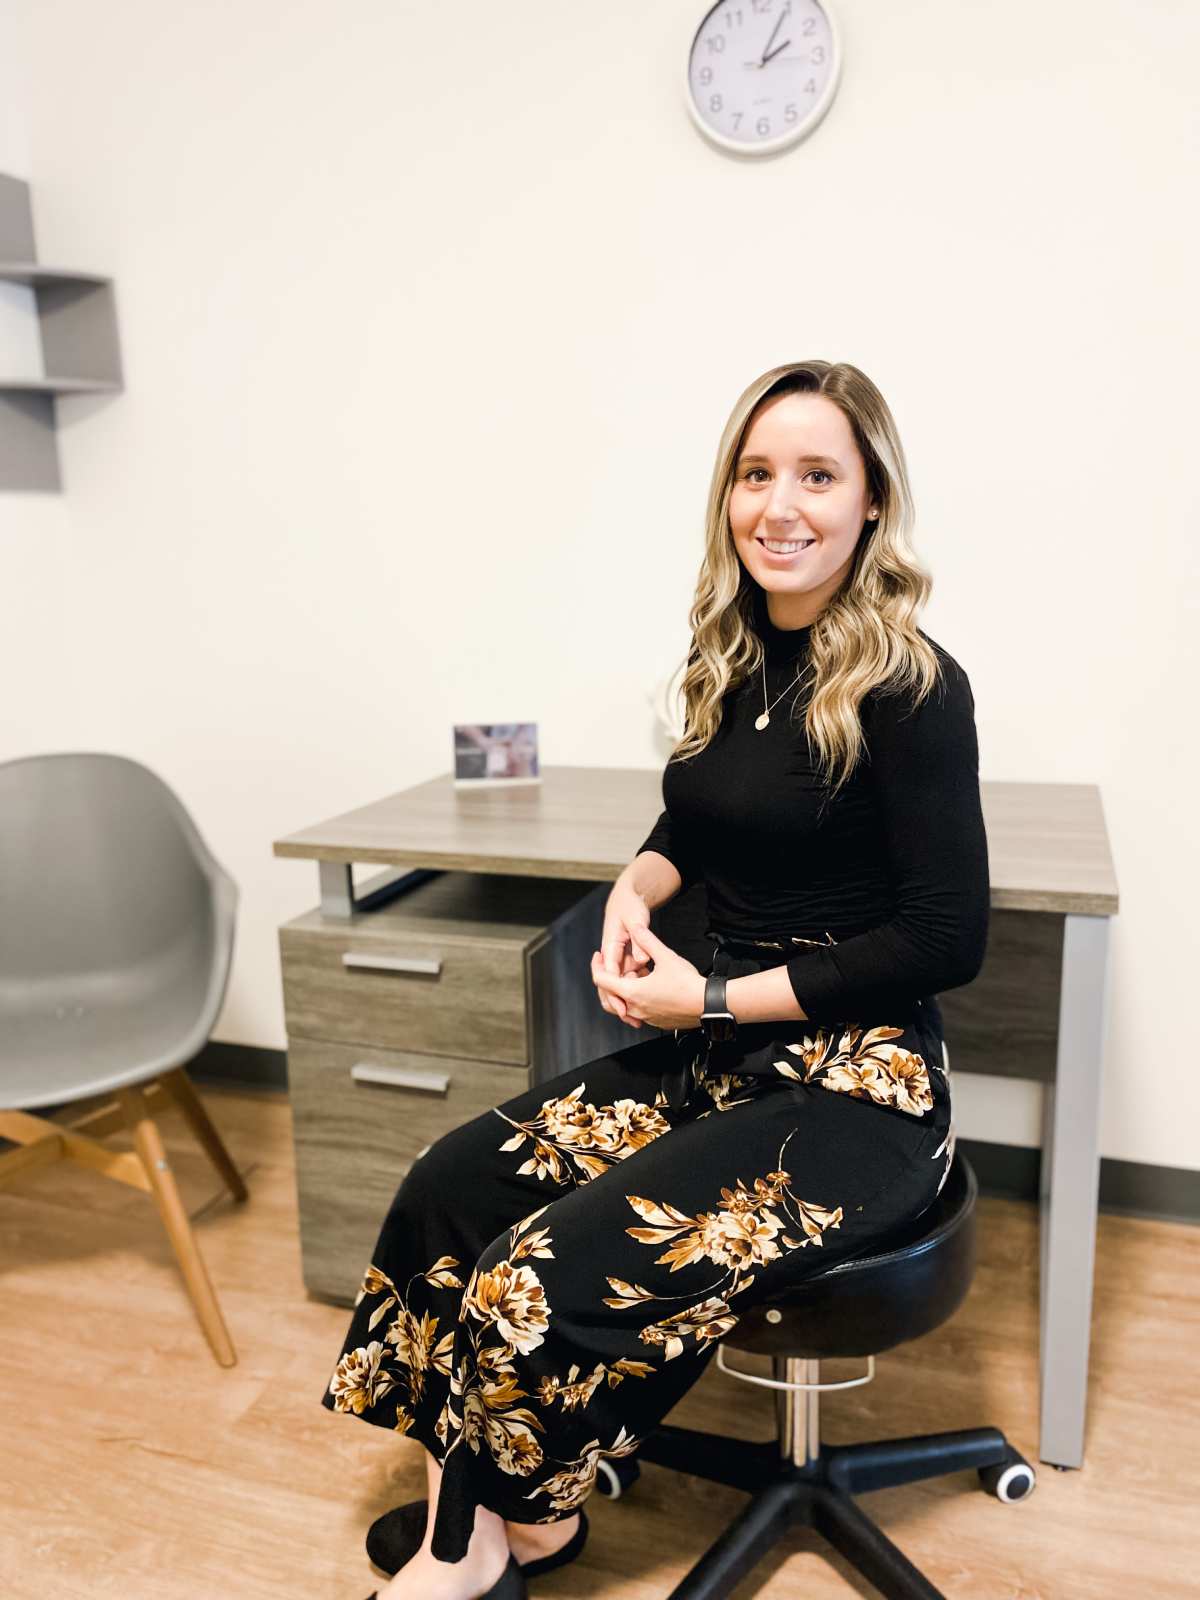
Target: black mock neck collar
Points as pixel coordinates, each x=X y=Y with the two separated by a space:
x=780 y=644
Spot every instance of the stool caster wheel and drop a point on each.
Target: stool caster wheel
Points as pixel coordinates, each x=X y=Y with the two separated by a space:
x=614 y=1476
x=1010 y=1480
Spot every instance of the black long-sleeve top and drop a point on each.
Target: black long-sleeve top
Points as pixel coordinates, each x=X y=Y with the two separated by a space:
x=894 y=869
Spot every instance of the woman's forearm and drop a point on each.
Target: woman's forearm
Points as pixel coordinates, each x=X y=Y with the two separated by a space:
x=764 y=997
x=653 y=877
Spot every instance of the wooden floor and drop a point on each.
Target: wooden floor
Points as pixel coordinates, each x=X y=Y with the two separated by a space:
x=134 y=1466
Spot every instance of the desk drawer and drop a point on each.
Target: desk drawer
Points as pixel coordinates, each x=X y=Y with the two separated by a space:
x=360 y=1117
x=451 y=996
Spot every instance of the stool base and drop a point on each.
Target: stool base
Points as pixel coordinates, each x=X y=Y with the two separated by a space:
x=818 y=1495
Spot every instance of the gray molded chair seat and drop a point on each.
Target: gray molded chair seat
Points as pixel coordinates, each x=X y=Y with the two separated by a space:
x=117 y=933
x=903 y=1287
x=115 y=947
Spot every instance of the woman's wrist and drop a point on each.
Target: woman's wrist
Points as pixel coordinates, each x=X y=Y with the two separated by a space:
x=765 y=996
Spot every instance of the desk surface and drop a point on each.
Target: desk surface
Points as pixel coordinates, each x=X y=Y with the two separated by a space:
x=1047 y=843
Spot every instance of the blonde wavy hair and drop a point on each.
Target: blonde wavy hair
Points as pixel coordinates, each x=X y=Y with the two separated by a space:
x=866 y=636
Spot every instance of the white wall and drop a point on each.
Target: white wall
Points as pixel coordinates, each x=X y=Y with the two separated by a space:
x=418 y=302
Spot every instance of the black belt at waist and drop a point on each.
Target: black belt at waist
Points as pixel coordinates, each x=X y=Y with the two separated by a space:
x=784 y=941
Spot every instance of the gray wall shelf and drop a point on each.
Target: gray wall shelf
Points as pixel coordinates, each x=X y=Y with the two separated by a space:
x=77 y=326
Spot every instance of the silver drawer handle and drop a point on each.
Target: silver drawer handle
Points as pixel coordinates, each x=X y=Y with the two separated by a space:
x=352 y=958
x=400 y=1077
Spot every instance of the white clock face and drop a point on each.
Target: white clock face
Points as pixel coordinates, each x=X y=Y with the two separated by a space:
x=761 y=73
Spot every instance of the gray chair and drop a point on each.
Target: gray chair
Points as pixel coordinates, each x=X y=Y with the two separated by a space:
x=116 y=937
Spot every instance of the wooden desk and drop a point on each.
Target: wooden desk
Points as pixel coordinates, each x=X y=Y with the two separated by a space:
x=1037 y=1010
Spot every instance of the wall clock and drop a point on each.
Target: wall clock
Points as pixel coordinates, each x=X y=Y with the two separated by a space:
x=761 y=74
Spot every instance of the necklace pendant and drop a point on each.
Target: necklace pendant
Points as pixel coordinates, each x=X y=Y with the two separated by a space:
x=761 y=721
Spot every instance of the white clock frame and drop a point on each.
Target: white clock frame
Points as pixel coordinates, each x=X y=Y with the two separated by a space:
x=805 y=126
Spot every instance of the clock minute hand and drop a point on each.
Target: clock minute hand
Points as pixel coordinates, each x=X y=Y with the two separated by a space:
x=774 y=31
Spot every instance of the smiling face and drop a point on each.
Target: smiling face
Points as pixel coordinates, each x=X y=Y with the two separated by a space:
x=799 y=477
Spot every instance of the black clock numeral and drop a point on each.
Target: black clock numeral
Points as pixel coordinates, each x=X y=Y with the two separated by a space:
x=705 y=76
x=715 y=102
x=737 y=120
x=789 y=112
x=818 y=54
x=716 y=44
x=763 y=126
x=808 y=24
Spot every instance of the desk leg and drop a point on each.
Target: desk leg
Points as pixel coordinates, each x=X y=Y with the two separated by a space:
x=337 y=889
x=1069 y=1190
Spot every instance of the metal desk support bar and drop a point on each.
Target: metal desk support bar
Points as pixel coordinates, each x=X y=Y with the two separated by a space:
x=338 y=896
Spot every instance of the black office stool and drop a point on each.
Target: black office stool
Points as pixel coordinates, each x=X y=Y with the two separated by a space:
x=904 y=1287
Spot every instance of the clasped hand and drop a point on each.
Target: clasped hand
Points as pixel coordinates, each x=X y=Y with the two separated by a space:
x=672 y=996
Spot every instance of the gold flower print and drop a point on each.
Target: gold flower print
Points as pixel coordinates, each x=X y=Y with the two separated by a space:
x=722 y=1086
x=361 y=1379
x=744 y=1232
x=719 y=1086
x=576 y=1392
x=573 y=1484
x=864 y=1066
x=711 y=1319
x=947 y=1145
x=506 y=1313
x=571 y=1130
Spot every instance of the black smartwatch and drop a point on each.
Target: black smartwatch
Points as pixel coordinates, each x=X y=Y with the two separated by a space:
x=717 y=1021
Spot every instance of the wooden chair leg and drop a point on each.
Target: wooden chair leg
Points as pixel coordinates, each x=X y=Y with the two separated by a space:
x=28 y=1157
x=149 y=1146
x=182 y=1091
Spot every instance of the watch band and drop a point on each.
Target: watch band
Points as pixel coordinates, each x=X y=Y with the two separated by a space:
x=717 y=1021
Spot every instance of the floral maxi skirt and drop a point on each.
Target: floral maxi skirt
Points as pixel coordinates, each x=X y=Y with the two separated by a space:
x=553 y=1276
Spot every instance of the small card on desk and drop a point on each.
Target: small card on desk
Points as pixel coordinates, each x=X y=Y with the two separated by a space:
x=487 y=754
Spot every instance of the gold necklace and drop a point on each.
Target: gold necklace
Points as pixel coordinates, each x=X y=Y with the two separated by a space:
x=762 y=720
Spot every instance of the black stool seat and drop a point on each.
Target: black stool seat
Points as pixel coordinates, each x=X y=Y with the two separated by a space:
x=900 y=1288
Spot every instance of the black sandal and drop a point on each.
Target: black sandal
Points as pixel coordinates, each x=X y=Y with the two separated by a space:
x=395 y=1538
x=510 y=1585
